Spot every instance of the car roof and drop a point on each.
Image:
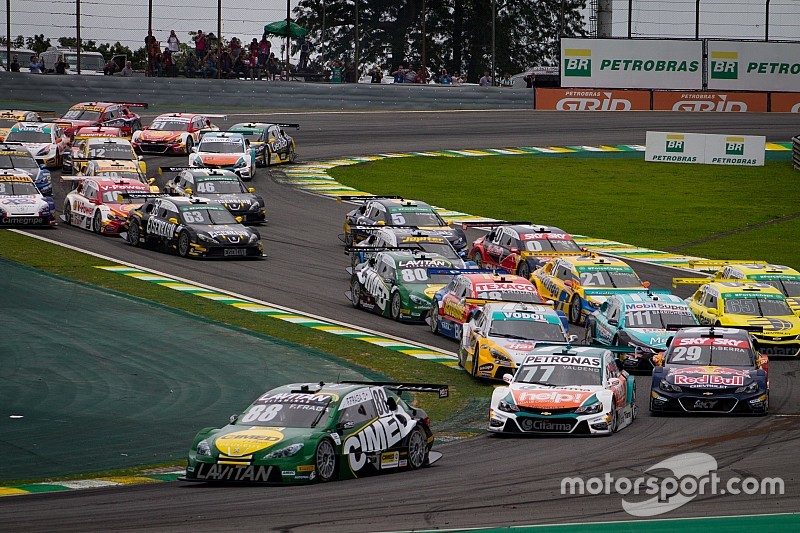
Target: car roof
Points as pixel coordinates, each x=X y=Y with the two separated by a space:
x=102 y=165
x=222 y=134
x=337 y=390
x=422 y=257
x=215 y=175
x=643 y=297
x=13 y=172
x=104 y=182
x=706 y=331
x=726 y=288
x=167 y=116
x=495 y=278
x=523 y=229
x=595 y=260
x=390 y=203
x=108 y=140
x=568 y=352
x=754 y=269
x=36 y=125
x=250 y=126
x=517 y=307
x=16 y=148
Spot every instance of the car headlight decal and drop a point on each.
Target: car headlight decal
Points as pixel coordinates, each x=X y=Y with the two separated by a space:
x=203 y=448
x=287 y=451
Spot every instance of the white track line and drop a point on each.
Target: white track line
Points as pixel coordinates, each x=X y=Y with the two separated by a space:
x=237 y=295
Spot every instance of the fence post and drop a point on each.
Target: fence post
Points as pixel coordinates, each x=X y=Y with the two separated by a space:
x=78 y=33
x=219 y=39
x=766 y=22
x=150 y=18
x=630 y=18
x=8 y=33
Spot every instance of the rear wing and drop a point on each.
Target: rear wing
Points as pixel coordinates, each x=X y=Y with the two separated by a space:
x=709 y=263
x=442 y=390
x=457 y=271
x=692 y=281
x=367 y=198
x=496 y=223
x=288 y=125
x=568 y=346
x=411 y=247
x=142 y=105
x=375 y=227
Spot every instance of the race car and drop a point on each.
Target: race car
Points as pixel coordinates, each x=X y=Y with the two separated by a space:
x=757 y=307
x=317 y=432
x=221 y=186
x=115 y=114
x=783 y=278
x=564 y=390
x=520 y=247
x=642 y=321
x=383 y=237
x=9 y=117
x=271 y=143
x=111 y=168
x=44 y=140
x=500 y=336
x=102 y=205
x=454 y=305
x=15 y=156
x=399 y=284
x=578 y=285
x=99 y=148
x=21 y=203
x=194 y=227
x=710 y=370
x=173 y=133
x=226 y=151
x=392 y=211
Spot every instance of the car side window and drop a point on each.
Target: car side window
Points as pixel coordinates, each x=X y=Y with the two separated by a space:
x=91 y=191
x=148 y=207
x=614 y=311
x=358 y=413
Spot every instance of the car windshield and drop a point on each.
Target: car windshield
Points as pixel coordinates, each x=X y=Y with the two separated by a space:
x=82 y=114
x=415 y=218
x=219 y=187
x=610 y=278
x=509 y=295
x=757 y=306
x=168 y=125
x=710 y=351
x=122 y=197
x=420 y=275
x=294 y=410
x=555 y=245
x=17 y=188
x=527 y=330
x=445 y=250
x=250 y=136
x=111 y=151
x=221 y=146
x=17 y=161
x=789 y=287
x=658 y=318
x=560 y=375
x=122 y=175
x=29 y=136
x=205 y=215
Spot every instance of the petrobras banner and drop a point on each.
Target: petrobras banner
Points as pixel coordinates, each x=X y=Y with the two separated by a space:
x=553 y=99
x=709 y=101
x=753 y=66
x=632 y=63
x=670 y=147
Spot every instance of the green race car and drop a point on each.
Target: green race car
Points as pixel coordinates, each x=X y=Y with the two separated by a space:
x=271 y=143
x=397 y=284
x=307 y=432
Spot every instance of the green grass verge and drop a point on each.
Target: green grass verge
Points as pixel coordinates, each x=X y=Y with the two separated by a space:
x=664 y=206
x=463 y=413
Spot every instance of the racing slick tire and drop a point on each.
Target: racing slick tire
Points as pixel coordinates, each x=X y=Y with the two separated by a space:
x=184 y=244
x=434 y=321
x=478 y=258
x=59 y=162
x=136 y=126
x=67 y=214
x=575 y=310
x=267 y=157
x=394 y=306
x=588 y=335
x=355 y=292
x=614 y=421
x=325 y=461
x=134 y=233
x=417 y=449
x=97 y=222
x=189 y=145
x=524 y=269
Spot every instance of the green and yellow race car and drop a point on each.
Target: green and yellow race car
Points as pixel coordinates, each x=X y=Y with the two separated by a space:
x=307 y=432
x=271 y=142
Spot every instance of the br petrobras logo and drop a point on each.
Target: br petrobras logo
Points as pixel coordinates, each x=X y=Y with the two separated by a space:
x=674 y=144
x=577 y=62
x=734 y=145
x=724 y=65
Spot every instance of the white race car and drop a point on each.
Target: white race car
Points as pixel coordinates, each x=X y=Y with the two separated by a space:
x=21 y=203
x=227 y=151
x=565 y=390
x=44 y=140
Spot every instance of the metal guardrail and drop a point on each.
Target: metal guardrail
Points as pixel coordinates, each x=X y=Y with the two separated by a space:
x=796 y=152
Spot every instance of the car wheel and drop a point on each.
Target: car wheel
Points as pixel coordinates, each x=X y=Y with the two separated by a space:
x=97 y=222
x=523 y=269
x=59 y=160
x=136 y=126
x=462 y=357
x=575 y=310
x=417 y=449
x=67 y=214
x=355 y=292
x=325 y=461
x=434 y=320
x=189 y=145
x=267 y=158
x=478 y=258
x=184 y=244
x=614 y=421
x=134 y=233
x=588 y=335
x=394 y=306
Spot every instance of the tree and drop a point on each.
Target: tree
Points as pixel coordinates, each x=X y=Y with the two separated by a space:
x=38 y=43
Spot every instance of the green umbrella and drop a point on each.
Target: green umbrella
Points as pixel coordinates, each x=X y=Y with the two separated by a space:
x=279 y=28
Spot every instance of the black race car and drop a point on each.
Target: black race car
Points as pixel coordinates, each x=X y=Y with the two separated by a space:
x=220 y=186
x=710 y=370
x=194 y=227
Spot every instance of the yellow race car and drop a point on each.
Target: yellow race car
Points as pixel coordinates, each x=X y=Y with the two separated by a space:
x=579 y=285
x=783 y=278
x=757 y=307
x=99 y=148
x=110 y=168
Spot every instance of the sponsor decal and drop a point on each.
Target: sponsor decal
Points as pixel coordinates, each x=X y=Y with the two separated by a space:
x=426 y=239
x=287 y=473
x=712 y=341
x=724 y=65
x=356 y=397
x=591 y=100
x=305 y=468
x=550 y=399
x=15 y=179
x=578 y=62
x=547 y=236
x=709 y=101
x=319 y=398
x=518 y=315
x=383 y=433
x=485 y=287
x=563 y=360
x=241 y=443
x=529 y=424
x=218 y=472
x=157 y=226
x=709 y=380
x=390 y=459
x=674 y=144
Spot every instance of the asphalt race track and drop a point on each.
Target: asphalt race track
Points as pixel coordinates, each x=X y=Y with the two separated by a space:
x=479 y=482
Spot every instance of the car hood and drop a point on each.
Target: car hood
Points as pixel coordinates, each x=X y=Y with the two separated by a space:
x=220 y=159
x=783 y=325
x=426 y=290
x=233 y=201
x=517 y=349
x=709 y=377
x=35 y=147
x=227 y=234
x=539 y=397
x=22 y=205
x=601 y=294
x=656 y=338
x=242 y=440
x=69 y=123
x=154 y=135
x=124 y=208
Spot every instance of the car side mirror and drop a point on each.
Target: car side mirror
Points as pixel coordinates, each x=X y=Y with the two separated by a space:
x=251 y=190
x=233 y=419
x=613 y=322
x=508 y=378
x=239 y=219
x=346 y=425
x=669 y=341
x=188 y=190
x=570 y=283
x=151 y=181
x=380 y=223
x=572 y=339
x=194 y=149
x=604 y=306
x=391 y=403
x=712 y=311
x=140 y=158
x=646 y=284
x=173 y=220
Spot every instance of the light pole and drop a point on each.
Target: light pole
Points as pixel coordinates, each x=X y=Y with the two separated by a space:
x=356 y=54
x=424 y=37
x=494 y=16
x=288 y=33
x=322 y=44
x=77 y=34
x=8 y=33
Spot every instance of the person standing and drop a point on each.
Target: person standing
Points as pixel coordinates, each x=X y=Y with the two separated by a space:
x=173 y=43
x=168 y=62
x=61 y=65
x=305 y=51
x=264 y=46
x=127 y=70
x=14 y=65
x=34 y=67
x=486 y=80
x=200 y=45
